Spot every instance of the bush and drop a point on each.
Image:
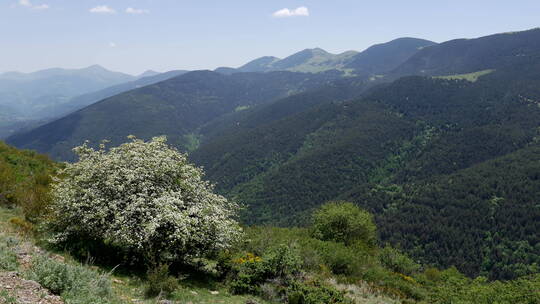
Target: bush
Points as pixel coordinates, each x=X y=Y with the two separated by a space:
x=34 y=197
x=8 y=258
x=280 y=264
x=343 y=222
x=143 y=198
x=160 y=282
x=75 y=283
x=315 y=293
x=340 y=259
x=397 y=261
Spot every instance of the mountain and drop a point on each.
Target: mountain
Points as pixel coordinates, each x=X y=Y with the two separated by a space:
x=462 y=56
x=11 y=126
x=377 y=59
x=415 y=152
x=263 y=64
x=384 y=57
x=38 y=96
x=447 y=164
x=175 y=107
x=84 y=100
x=226 y=70
x=57 y=81
x=148 y=73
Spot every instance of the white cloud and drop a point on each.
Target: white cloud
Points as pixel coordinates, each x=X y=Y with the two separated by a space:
x=40 y=7
x=112 y=44
x=136 y=11
x=27 y=3
x=102 y=9
x=300 y=11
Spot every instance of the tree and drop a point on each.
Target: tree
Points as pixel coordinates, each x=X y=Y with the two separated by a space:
x=144 y=198
x=343 y=222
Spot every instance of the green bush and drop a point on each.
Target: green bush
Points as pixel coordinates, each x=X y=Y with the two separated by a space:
x=397 y=261
x=8 y=258
x=338 y=258
x=76 y=284
x=281 y=264
x=25 y=179
x=315 y=292
x=160 y=281
x=454 y=287
x=343 y=222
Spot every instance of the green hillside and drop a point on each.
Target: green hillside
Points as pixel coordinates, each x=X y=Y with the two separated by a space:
x=462 y=56
x=334 y=260
x=174 y=107
x=446 y=164
x=411 y=131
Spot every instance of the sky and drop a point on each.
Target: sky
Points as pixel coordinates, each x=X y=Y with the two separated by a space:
x=132 y=36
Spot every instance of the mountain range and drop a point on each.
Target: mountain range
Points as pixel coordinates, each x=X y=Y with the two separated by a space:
x=439 y=141
x=31 y=98
x=377 y=59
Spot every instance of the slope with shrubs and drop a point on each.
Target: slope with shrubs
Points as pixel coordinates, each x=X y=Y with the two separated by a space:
x=24 y=180
x=334 y=260
x=404 y=133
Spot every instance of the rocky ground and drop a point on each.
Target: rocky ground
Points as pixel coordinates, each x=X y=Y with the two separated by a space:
x=14 y=289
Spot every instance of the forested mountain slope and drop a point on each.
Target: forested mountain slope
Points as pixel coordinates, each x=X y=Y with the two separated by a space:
x=384 y=57
x=471 y=55
x=410 y=132
x=145 y=79
x=175 y=107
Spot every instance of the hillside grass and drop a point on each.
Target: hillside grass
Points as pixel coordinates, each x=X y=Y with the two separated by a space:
x=125 y=286
x=472 y=77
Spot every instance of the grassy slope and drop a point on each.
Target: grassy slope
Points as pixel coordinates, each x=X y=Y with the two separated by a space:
x=127 y=288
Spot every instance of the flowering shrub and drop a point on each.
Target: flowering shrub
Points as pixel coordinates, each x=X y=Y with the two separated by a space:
x=280 y=264
x=143 y=197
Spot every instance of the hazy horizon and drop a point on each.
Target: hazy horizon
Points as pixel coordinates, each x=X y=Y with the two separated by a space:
x=132 y=36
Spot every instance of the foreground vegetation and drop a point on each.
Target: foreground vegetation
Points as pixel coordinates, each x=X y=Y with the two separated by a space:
x=334 y=260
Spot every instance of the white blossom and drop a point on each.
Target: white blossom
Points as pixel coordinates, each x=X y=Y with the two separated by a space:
x=144 y=197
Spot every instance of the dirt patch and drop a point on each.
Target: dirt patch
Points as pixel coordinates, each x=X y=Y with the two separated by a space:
x=14 y=289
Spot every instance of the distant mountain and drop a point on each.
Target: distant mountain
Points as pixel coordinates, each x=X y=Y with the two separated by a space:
x=471 y=55
x=148 y=73
x=384 y=57
x=176 y=107
x=36 y=96
x=377 y=59
x=52 y=111
x=263 y=64
x=226 y=70
x=84 y=100
x=306 y=61
x=62 y=81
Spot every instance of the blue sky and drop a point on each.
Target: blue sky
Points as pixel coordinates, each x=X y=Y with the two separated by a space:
x=135 y=35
